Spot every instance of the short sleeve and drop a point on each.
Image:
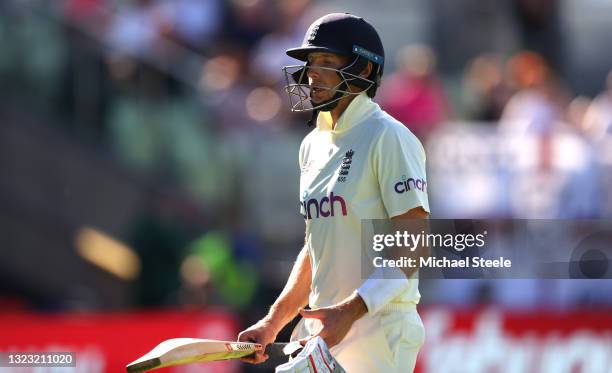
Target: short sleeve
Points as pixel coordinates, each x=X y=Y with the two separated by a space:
x=399 y=165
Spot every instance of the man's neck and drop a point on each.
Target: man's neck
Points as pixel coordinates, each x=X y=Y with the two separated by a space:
x=337 y=112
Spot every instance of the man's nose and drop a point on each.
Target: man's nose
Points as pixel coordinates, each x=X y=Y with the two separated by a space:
x=313 y=72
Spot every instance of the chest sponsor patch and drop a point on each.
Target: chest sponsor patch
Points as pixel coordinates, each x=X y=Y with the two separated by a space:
x=327 y=206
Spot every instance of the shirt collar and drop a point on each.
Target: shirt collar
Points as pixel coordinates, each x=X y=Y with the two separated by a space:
x=355 y=112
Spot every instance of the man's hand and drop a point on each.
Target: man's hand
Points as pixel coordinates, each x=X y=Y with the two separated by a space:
x=263 y=332
x=336 y=320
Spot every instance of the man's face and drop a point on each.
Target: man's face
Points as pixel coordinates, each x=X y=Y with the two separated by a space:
x=323 y=78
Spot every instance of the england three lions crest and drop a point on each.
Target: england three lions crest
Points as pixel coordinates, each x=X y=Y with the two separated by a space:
x=345 y=166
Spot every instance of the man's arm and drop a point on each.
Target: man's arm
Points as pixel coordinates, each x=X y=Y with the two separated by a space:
x=285 y=308
x=295 y=294
x=415 y=213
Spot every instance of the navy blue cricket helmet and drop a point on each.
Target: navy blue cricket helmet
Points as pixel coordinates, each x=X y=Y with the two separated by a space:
x=343 y=34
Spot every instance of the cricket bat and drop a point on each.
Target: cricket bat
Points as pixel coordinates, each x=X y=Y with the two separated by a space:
x=178 y=351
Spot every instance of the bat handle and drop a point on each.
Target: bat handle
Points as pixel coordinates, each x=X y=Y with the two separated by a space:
x=277 y=350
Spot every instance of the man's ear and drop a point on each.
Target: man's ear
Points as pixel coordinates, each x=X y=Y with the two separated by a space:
x=367 y=70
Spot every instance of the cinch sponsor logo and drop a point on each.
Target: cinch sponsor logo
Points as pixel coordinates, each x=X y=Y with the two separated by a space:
x=325 y=207
x=407 y=184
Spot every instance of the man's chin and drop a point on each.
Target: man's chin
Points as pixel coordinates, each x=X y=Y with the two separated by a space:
x=318 y=101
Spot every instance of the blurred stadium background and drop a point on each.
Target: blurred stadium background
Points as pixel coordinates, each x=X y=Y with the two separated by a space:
x=148 y=168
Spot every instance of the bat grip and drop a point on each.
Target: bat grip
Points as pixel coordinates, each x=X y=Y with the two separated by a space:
x=276 y=350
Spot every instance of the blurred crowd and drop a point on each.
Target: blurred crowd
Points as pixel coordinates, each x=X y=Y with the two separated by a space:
x=190 y=93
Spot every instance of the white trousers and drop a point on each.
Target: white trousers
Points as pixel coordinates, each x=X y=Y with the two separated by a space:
x=387 y=342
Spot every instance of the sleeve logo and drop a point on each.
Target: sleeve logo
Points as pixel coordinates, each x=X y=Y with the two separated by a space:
x=407 y=184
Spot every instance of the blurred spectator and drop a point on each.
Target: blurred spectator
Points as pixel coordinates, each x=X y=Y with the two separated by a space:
x=538 y=104
x=246 y=22
x=194 y=23
x=560 y=180
x=598 y=117
x=486 y=91
x=269 y=55
x=576 y=112
x=414 y=95
x=582 y=191
x=580 y=194
x=136 y=27
x=226 y=84
x=140 y=50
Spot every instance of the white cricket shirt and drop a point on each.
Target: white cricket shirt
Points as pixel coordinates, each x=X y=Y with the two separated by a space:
x=370 y=166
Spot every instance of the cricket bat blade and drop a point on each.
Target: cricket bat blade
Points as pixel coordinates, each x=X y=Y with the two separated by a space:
x=178 y=351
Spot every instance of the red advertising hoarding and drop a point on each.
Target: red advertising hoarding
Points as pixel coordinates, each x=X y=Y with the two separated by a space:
x=457 y=341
